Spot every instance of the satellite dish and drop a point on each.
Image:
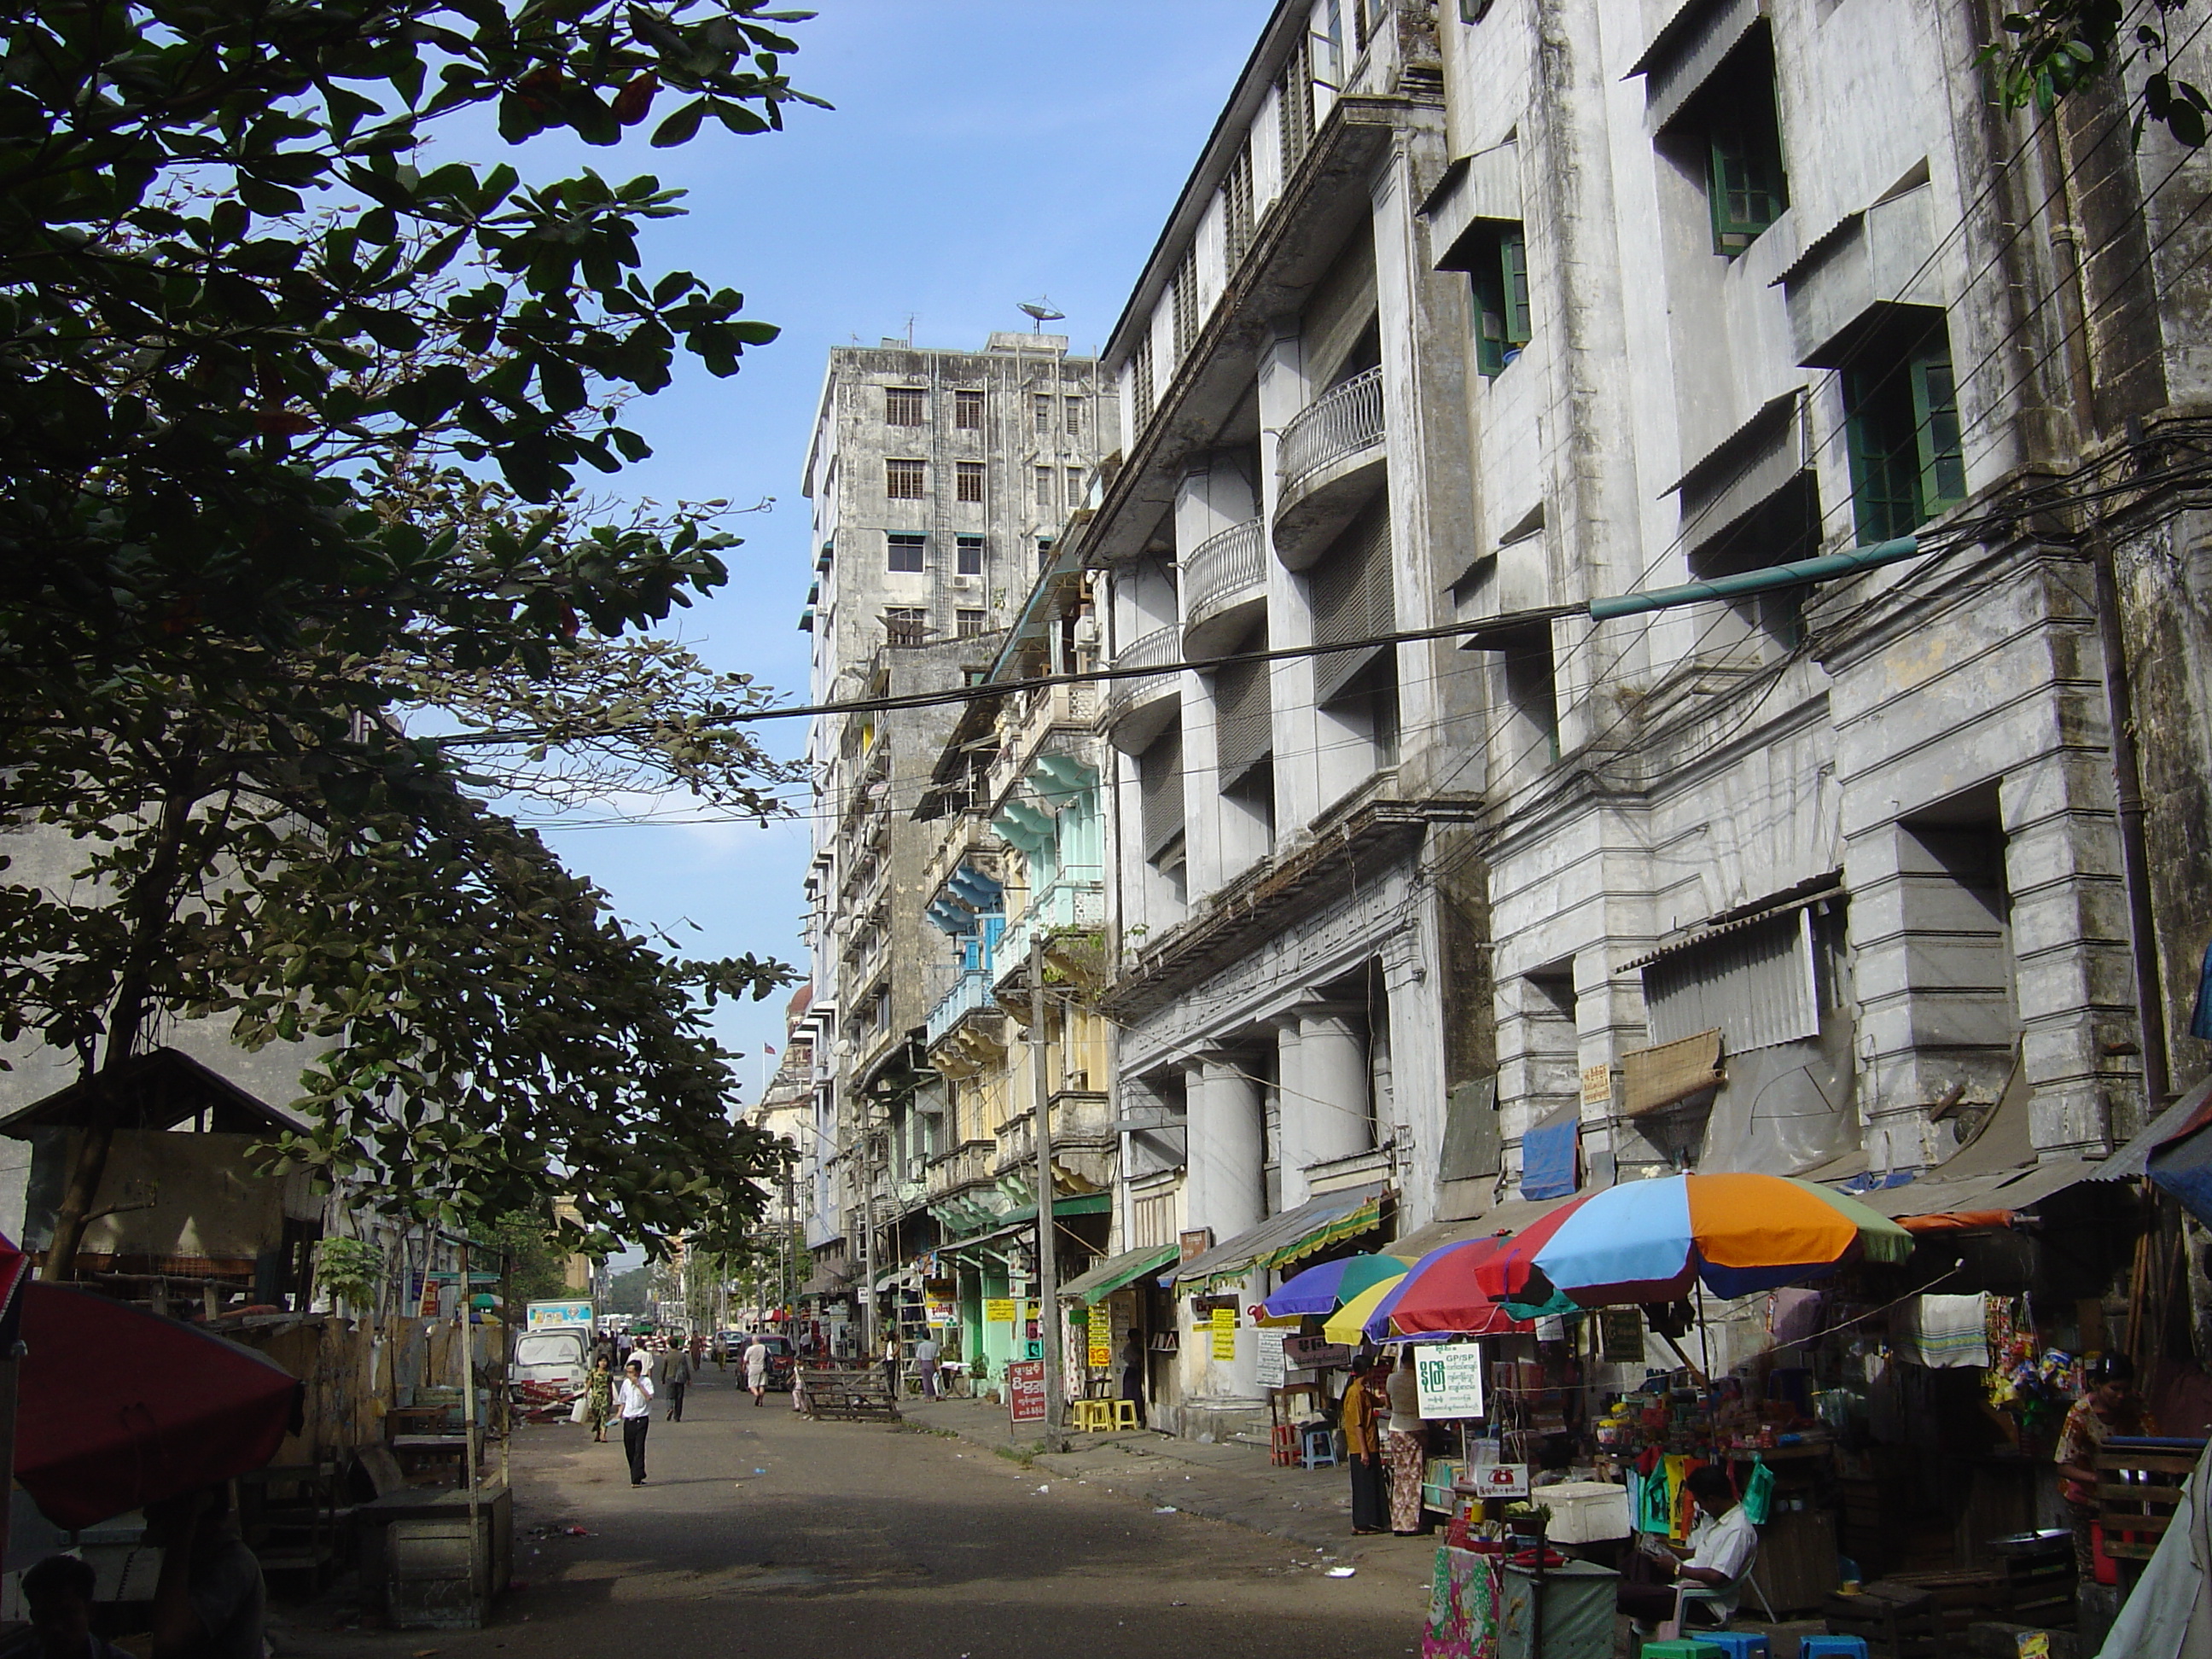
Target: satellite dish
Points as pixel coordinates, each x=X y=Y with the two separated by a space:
x=1039 y=312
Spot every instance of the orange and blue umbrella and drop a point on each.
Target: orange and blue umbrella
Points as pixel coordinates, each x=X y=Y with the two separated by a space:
x=1322 y=1290
x=1648 y=1241
x=1441 y=1297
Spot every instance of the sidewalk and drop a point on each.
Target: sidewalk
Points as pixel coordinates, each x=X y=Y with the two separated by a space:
x=1231 y=1483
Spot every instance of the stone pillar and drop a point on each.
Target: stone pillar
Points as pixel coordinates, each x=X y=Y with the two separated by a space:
x=1334 y=1102
x=1291 y=1092
x=1227 y=1154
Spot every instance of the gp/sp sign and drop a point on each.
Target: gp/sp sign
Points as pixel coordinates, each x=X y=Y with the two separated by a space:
x=1448 y=1378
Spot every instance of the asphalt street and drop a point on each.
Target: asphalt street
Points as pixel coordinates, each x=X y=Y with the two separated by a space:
x=759 y=1533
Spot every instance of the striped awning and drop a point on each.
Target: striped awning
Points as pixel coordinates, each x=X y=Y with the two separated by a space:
x=1325 y=1219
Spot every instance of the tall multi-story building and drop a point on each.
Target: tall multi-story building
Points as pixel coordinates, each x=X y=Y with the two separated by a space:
x=939 y=481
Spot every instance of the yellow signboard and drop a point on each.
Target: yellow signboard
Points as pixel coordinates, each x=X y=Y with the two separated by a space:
x=998 y=1310
x=1224 y=1333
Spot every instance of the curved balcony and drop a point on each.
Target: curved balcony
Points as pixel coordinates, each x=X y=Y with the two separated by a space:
x=1330 y=460
x=1139 y=709
x=1225 y=584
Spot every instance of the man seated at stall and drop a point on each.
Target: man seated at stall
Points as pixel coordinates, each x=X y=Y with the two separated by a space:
x=1714 y=1564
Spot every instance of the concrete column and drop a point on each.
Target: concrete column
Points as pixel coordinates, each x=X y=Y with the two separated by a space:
x=1283 y=391
x=1290 y=1090
x=1334 y=1084
x=1227 y=1152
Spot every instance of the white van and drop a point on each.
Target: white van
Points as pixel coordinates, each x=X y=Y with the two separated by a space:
x=560 y=1355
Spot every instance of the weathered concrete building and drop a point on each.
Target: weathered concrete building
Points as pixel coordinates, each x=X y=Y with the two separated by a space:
x=1293 y=473
x=938 y=479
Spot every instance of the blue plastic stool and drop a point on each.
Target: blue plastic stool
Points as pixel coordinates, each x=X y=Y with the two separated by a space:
x=1739 y=1643
x=1832 y=1647
x=1320 y=1449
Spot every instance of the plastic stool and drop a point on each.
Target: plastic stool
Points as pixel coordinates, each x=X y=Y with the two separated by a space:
x=1831 y=1647
x=1319 y=1449
x=1087 y=1415
x=1125 y=1413
x=1739 y=1643
x=1685 y=1649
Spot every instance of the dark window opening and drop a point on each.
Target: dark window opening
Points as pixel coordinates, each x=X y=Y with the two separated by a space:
x=1780 y=530
x=1901 y=415
x=908 y=553
x=1494 y=253
x=970 y=623
x=903 y=480
x=968 y=552
x=902 y=406
x=968 y=411
x=1731 y=131
x=968 y=482
x=1159 y=789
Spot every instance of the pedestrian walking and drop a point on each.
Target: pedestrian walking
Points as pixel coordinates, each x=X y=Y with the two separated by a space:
x=891 y=1362
x=800 y=1402
x=1363 y=1448
x=599 y=1397
x=1133 y=1375
x=757 y=1370
x=677 y=1378
x=1404 y=1447
x=925 y=1365
x=634 y=1402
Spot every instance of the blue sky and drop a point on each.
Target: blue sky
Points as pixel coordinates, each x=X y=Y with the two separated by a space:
x=982 y=152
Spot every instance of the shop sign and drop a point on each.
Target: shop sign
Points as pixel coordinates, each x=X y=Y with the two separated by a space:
x=1597 y=1085
x=1449 y=1377
x=1099 y=1337
x=1499 y=1479
x=1224 y=1333
x=998 y=1310
x=1272 y=1373
x=1620 y=1335
x=940 y=1312
x=1314 y=1353
x=1026 y=1391
x=559 y=1315
x=1194 y=1243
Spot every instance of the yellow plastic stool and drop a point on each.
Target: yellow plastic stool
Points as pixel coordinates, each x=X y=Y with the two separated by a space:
x=1092 y=1415
x=1125 y=1413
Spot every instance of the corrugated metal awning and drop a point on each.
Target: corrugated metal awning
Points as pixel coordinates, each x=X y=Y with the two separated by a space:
x=1115 y=1273
x=1733 y=924
x=1281 y=1239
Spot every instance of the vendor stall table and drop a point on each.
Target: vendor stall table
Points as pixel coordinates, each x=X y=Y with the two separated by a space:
x=420 y=1567
x=1562 y=1612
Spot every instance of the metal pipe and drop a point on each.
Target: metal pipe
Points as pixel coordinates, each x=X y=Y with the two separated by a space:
x=1797 y=573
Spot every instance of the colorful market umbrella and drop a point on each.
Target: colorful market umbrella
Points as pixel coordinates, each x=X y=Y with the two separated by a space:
x=1324 y=1289
x=1506 y=1275
x=1442 y=1296
x=1646 y=1240
x=1348 y=1324
x=117 y=1407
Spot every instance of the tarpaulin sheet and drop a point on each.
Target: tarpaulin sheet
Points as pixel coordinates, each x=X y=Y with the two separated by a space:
x=1547 y=1156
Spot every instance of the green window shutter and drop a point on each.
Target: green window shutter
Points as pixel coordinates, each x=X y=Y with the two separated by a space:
x=1885 y=501
x=1745 y=187
x=1935 y=434
x=1513 y=274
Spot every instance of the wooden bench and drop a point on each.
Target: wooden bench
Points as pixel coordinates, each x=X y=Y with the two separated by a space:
x=850 y=1396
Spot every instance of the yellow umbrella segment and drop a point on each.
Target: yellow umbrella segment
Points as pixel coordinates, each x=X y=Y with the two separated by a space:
x=1346 y=1324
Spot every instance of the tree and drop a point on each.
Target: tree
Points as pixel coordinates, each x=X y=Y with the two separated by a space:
x=2062 y=43
x=246 y=527
x=629 y=1290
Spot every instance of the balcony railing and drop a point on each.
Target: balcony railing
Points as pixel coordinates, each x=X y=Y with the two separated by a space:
x=970 y=992
x=1341 y=421
x=1156 y=649
x=968 y=1164
x=1222 y=573
x=1075 y=900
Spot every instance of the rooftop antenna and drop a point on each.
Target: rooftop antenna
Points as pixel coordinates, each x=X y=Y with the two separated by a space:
x=910 y=316
x=1039 y=312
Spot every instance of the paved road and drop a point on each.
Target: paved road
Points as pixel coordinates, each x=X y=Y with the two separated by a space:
x=762 y=1534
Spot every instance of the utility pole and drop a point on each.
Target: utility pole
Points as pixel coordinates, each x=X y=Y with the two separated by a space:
x=1047 y=1249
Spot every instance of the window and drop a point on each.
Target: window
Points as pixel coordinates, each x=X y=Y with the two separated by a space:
x=1075 y=488
x=902 y=405
x=968 y=411
x=1187 y=318
x=1236 y=206
x=1495 y=256
x=1072 y=413
x=1044 y=490
x=903 y=480
x=1044 y=410
x=1294 y=88
x=1141 y=377
x=1901 y=412
x=905 y=624
x=906 y=552
x=1734 y=119
x=1159 y=792
x=968 y=551
x=1044 y=551
x=968 y=482
x=972 y=622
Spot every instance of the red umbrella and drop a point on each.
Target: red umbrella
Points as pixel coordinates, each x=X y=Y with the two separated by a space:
x=117 y=1407
x=1504 y=1275
x=1444 y=1294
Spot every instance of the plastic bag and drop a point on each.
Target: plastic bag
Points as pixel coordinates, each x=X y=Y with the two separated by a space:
x=582 y=1412
x=1758 y=1493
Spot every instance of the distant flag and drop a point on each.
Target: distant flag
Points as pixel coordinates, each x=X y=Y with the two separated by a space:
x=768 y=1047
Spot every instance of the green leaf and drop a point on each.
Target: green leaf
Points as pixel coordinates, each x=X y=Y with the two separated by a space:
x=680 y=126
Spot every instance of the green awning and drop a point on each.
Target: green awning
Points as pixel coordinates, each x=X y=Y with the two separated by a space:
x=1291 y=1236
x=1110 y=1275
x=1067 y=1204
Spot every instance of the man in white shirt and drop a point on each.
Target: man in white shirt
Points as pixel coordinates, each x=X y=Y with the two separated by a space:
x=1722 y=1546
x=925 y=1365
x=634 y=1405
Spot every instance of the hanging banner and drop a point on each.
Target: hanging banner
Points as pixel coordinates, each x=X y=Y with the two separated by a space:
x=998 y=1310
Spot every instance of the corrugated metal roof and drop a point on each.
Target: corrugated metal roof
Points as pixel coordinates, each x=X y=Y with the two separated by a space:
x=1733 y=924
